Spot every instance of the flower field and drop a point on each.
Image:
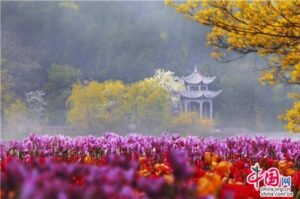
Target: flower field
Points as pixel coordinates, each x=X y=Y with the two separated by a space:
x=136 y=166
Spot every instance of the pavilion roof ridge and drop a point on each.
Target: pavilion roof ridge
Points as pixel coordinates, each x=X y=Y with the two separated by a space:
x=196 y=78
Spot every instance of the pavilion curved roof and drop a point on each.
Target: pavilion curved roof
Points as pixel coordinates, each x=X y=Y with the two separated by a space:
x=198 y=94
x=197 y=78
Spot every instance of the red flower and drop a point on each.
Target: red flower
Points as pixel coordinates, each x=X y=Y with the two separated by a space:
x=79 y=180
x=237 y=191
x=296 y=180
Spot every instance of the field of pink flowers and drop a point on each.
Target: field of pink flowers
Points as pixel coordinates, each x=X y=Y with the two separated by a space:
x=136 y=166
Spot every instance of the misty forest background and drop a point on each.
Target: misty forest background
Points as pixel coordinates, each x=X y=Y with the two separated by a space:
x=49 y=46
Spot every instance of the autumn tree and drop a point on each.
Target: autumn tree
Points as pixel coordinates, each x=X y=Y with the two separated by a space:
x=114 y=106
x=14 y=112
x=270 y=29
x=7 y=96
x=95 y=105
x=16 y=117
x=189 y=123
x=148 y=105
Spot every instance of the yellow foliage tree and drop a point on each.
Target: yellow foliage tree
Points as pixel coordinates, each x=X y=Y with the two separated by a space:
x=7 y=96
x=293 y=117
x=268 y=28
x=16 y=118
x=16 y=111
x=148 y=104
x=95 y=105
x=111 y=104
x=190 y=123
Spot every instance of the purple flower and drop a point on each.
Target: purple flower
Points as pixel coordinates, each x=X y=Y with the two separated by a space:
x=127 y=192
x=152 y=187
x=179 y=162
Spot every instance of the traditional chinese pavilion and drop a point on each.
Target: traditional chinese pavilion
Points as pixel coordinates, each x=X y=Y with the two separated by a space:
x=197 y=97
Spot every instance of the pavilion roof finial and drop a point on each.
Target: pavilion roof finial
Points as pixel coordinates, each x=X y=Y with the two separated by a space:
x=196 y=69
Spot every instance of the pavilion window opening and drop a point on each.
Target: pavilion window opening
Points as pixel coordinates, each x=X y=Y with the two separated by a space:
x=194 y=88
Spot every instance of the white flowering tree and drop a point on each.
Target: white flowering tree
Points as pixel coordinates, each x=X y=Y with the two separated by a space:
x=171 y=84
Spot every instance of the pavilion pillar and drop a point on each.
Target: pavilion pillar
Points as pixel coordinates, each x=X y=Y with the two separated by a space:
x=211 y=109
x=180 y=107
x=201 y=109
x=185 y=106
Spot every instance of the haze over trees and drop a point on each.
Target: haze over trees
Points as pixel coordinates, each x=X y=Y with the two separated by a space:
x=62 y=47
